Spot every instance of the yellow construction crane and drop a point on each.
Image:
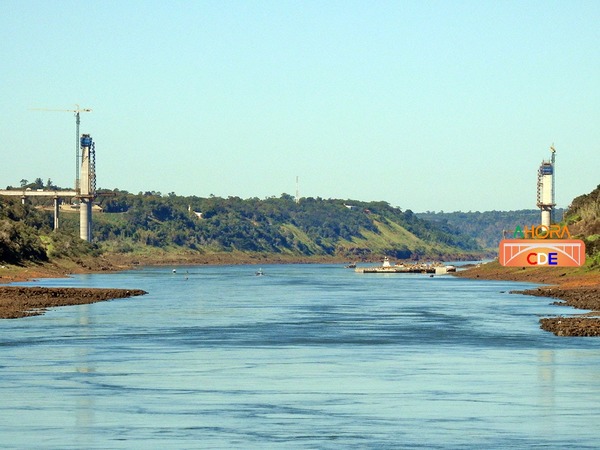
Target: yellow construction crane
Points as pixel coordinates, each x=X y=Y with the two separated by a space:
x=77 y=111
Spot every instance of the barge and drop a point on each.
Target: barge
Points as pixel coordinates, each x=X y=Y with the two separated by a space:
x=386 y=267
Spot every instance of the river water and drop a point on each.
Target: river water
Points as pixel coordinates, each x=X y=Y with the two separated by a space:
x=306 y=356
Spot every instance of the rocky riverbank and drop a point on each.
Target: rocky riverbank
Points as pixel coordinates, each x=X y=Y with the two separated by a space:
x=20 y=301
x=573 y=287
x=586 y=297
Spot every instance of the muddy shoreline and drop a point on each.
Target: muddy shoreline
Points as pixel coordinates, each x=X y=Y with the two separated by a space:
x=575 y=288
x=18 y=301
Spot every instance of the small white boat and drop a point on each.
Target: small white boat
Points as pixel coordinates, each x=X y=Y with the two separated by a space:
x=259 y=273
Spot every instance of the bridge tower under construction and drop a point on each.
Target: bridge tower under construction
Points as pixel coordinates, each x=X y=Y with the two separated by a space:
x=87 y=187
x=546 y=180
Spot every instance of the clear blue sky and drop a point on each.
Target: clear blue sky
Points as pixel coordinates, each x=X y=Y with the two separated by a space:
x=428 y=105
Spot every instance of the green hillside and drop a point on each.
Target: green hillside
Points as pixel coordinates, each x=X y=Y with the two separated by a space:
x=26 y=235
x=140 y=224
x=583 y=219
x=313 y=227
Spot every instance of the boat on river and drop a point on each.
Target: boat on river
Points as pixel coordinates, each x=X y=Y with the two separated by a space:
x=387 y=267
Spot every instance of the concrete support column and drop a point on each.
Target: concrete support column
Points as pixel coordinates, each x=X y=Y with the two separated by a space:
x=85 y=219
x=546 y=217
x=85 y=190
x=56 y=211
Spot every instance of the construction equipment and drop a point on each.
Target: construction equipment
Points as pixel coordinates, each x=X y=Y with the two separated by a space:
x=77 y=111
x=545 y=189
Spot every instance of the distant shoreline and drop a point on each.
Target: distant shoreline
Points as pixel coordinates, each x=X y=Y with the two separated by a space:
x=574 y=288
x=20 y=301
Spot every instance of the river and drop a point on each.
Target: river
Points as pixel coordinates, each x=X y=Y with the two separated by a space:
x=306 y=356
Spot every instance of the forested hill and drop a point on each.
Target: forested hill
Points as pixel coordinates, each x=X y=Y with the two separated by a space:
x=347 y=229
x=135 y=223
x=26 y=235
x=312 y=226
x=583 y=219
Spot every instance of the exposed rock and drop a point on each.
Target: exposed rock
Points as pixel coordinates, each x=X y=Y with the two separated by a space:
x=20 y=301
x=574 y=287
x=571 y=326
x=587 y=297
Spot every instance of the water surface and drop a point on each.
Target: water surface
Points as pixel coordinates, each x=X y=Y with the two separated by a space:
x=307 y=356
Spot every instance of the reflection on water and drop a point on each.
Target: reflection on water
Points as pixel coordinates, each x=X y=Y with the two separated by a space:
x=302 y=357
x=546 y=378
x=84 y=407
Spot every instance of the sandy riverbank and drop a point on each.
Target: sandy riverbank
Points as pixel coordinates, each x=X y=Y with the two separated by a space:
x=574 y=287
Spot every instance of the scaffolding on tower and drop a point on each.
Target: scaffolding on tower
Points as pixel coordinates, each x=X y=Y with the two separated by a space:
x=546 y=189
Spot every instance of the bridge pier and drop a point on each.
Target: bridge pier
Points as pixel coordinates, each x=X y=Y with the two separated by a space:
x=86 y=191
x=56 y=195
x=87 y=187
x=56 y=211
x=85 y=219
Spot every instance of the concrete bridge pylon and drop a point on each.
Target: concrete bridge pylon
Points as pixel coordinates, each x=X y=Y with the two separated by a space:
x=87 y=187
x=85 y=191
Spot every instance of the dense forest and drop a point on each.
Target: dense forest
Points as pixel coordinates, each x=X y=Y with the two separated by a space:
x=130 y=223
x=312 y=226
x=26 y=235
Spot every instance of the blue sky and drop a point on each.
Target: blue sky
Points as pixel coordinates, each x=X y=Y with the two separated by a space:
x=428 y=105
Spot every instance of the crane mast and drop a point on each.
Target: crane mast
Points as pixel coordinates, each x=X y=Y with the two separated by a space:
x=77 y=112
